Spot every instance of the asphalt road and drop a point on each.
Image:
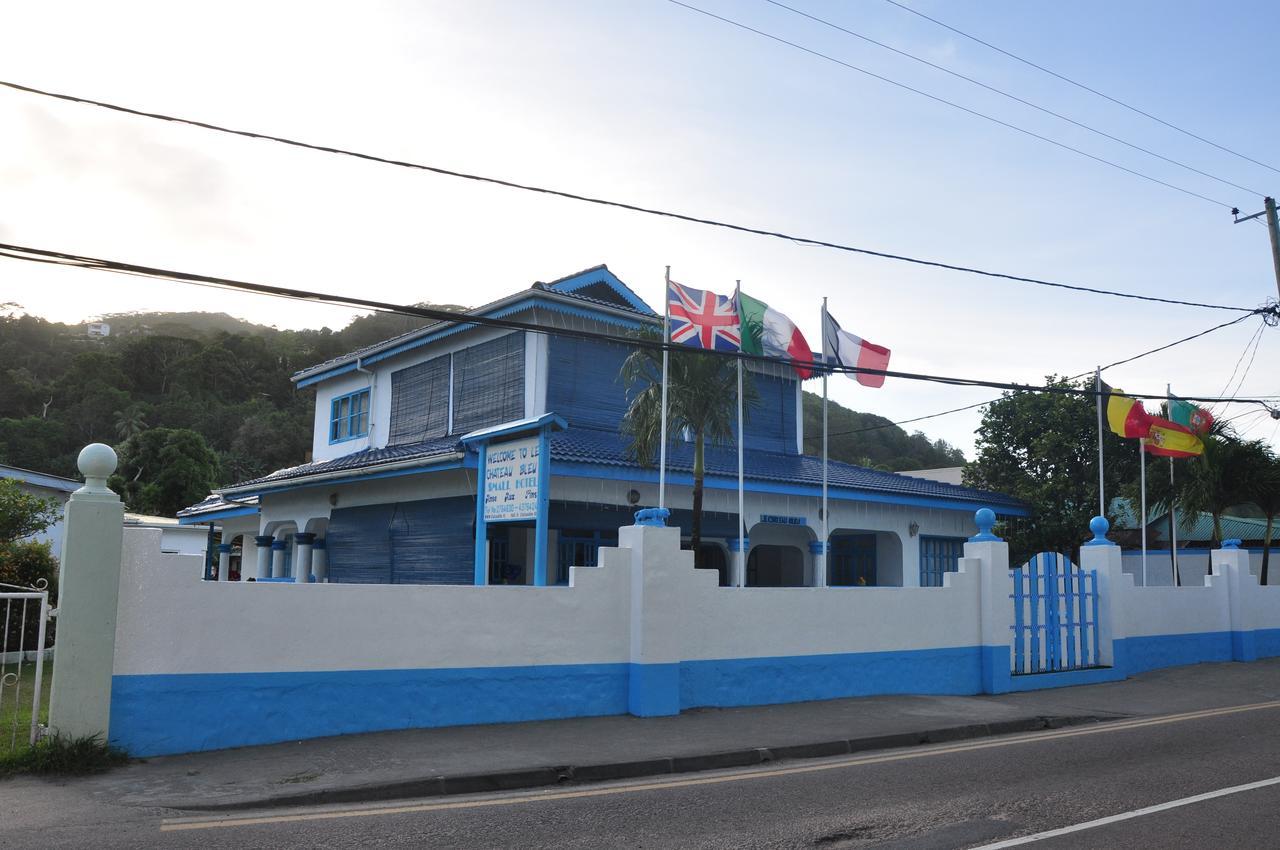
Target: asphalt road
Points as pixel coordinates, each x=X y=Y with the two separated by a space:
x=975 y=793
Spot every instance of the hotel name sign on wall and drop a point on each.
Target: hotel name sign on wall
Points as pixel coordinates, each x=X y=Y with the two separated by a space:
x=511 y=480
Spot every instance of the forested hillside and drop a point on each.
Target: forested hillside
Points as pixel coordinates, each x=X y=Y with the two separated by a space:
x=194 y=400
x=870 y=440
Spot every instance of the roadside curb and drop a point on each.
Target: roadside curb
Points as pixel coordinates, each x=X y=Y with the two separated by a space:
x=511 y=780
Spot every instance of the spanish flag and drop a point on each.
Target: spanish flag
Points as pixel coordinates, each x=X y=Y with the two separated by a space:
x=1169 y=439
x=1126 y=416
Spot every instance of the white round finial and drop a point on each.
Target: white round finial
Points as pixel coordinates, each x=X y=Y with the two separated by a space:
x=96 y=462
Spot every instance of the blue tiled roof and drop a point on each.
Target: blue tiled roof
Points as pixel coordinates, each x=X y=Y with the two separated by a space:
x=604 y=448
x=425 y=450
x=609 y=449
x=566 y=287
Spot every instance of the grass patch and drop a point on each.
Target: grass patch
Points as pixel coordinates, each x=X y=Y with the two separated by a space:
x=15 y=706
x=57 y=755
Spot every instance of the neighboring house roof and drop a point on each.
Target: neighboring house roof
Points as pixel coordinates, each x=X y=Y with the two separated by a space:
x=40 y=479
x=604 y=449
x=595 y=289
x=945 y=474
x=214 y=507
x=361 y=461
x=1201 y=531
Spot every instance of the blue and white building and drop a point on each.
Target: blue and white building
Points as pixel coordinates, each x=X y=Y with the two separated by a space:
x=390 y=494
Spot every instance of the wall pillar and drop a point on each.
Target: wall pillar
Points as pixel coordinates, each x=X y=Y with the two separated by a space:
x=278 y=548
x=224 y=562
x=995 y=609
x=1105 y=559
x=264 y=542
x=320 y=560
x=89 y=589
x=302 y=556
x=1242 y=590
x=657 y=613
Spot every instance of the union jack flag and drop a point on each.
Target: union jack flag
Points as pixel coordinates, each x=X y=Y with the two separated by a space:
x=702 y=319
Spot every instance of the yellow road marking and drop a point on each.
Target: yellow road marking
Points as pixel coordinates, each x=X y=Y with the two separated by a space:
x=205 y=822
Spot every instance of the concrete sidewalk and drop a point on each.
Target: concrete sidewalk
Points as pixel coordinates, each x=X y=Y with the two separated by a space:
x=470 y=759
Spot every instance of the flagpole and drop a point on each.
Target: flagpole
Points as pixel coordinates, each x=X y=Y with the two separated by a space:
x=742 y=517
x=1142 y=467
x=1102 y=499
x=821 y=578
x=666 y=365
x=1173 y=509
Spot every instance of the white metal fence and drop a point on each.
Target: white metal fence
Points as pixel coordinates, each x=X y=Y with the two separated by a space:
x=25 y=615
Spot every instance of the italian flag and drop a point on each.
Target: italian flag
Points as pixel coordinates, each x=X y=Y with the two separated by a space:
x=767 y=332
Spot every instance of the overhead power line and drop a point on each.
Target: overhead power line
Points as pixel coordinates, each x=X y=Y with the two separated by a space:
x=1071 y=378
x=604 y=202
x=40 y=255
x=1080 y=85
x=1013 y=97
x=984 y=116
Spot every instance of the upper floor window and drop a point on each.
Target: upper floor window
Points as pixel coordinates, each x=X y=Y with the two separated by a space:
x=349 y=416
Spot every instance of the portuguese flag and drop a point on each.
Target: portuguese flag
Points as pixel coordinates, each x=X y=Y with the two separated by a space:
x=767 y=332
x=1195 y=419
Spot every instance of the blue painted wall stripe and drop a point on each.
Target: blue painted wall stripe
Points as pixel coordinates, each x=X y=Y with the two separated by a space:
x=165 y=714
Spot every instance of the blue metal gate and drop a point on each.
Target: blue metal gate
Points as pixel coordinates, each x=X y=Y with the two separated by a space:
x=1055 y=615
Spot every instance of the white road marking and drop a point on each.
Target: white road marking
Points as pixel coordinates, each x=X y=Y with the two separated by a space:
x=526 y=797
x=1136 y=813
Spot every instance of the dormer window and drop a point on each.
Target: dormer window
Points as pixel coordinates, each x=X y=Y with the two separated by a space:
x=349 y=416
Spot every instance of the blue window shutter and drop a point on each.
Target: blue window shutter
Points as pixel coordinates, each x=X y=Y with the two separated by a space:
x=583 y=383
x=488 y=383
x=420 y=401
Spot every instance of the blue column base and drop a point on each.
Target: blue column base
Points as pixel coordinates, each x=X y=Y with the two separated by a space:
x=653 y=690
x=996 y=675
x=1244 y=646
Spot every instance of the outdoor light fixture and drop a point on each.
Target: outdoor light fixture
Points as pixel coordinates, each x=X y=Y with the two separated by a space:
x=633 y=497
x=913 y=529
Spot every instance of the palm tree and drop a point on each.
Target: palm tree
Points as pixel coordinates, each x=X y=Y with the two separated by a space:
x=1222 y=477
x=130 y=422
x=1265 y=493
x=702 y=401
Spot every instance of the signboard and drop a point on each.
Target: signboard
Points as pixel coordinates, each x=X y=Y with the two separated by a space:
x=511 y=480
x=784 y=520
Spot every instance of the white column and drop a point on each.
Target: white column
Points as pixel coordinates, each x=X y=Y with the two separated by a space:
x=277 y=558
x=1232 y=562
x=264 y=542
x=302 y=557
x=1103 y=556
x=89 y=589
x=320 y=560
x=224 y=562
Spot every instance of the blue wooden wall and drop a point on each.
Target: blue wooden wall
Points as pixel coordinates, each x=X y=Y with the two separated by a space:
x=583 y=384
x=424 y=542
x=584 y=388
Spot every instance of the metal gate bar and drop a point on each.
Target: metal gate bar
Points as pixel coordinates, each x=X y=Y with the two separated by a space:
x=29 y=602
x=1055 y=615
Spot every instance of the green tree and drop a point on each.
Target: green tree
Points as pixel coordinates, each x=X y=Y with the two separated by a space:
x=702 y=400
x=25 y=563
x=1042 y=447
x=23 y=514
x=1225 y=475
x=1266 y=495
x=130 y=422
x=163 y=470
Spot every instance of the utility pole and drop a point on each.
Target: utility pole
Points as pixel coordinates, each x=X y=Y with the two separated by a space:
x=1273 y=229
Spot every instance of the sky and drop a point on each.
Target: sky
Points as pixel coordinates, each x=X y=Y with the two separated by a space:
x=651 y=103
